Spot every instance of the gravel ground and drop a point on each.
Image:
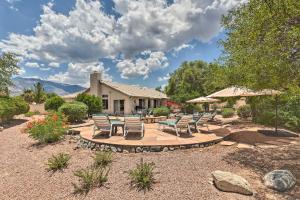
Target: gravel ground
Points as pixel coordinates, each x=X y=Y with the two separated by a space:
x=180 y=174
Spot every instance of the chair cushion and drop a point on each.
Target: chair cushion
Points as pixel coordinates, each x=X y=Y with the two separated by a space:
x=167 y=123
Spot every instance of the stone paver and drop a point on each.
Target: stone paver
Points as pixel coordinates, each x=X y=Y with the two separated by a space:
x=227 y=143
x=244 y=146
x=152 y=137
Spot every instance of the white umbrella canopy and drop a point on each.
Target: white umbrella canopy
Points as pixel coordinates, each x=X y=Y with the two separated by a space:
x=203 y=100
x=245 y=92
x=230 y=92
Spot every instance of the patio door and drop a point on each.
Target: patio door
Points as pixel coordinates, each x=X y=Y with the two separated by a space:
x=119 y=106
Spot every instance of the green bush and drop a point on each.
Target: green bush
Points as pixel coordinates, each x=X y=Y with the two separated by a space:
x=21 y=105
x=93 y=102
x=227 y=112
x=74 y=111
x=54 y=103
x=142 y=177
x=288 y=109
x=191 y=108
x=90 y=178
x=12 y=106
x=58 y=162
x=244 y=111
x=49 y=130
x=161 y=111
x=102 y=158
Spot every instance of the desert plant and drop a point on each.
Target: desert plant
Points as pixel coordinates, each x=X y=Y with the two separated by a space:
x=58 y=162
x=49 y=130
x=244 y=111
x=142 y=177
x=74 y=111
x=93 y=102
x=161 y=111
x=90 y=178
x=102 y=158
x=227 y=112
x=39 y=93
x=54 y=103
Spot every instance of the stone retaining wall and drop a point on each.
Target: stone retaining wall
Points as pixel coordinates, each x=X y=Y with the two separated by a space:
x=83 y=143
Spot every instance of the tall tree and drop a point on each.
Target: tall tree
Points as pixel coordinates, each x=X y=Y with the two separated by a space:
x=8 y=68
x=193 y=79
x=39 y=93
x=262 y=47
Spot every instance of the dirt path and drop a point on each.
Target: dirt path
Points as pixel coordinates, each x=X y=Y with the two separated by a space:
x=181 y=174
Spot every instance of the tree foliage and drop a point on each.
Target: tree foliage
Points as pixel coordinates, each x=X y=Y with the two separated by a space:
x=262 y=47
x=93 y=102
x=194 y=79
x=8 y=68
x=39 y=93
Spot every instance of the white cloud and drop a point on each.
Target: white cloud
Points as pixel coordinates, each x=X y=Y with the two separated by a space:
x=142 y=67
x=45 y=68
x=21 y=71
x=32 y=64
x=164 y=78
x=87 y=34
x=54 y=64
x=78 y=73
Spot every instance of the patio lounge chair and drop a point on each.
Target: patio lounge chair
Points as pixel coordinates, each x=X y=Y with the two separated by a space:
x=201 y=121
x=180 y=123
x=101 y=123
x=134 y=124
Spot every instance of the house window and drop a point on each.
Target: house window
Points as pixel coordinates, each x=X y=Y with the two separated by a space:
x=105 y=102
x=149 y=103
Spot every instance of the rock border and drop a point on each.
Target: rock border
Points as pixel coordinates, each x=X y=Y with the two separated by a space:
x=87 y=144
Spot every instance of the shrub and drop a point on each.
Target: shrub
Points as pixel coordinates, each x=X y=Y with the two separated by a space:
x=74 y=111
x=142 y=177
x=191 y=108
x=30 y=114
x=58 y=162
x=227 y=112
x=21 y=105
x=90 y=178
x=161 y=111
x=244 y=111
x=49 y=130
x=54 y=103
x=102 y=158
x=12 y=106
x=93 y=102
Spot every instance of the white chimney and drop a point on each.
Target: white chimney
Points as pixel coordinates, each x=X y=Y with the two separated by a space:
x=95 y=87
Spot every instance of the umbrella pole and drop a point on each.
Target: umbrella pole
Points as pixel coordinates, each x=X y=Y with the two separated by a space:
x=276 y=114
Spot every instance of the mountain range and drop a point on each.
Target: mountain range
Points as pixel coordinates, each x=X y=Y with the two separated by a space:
x=20 y=83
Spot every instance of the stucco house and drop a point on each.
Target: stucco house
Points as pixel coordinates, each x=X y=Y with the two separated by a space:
x=122 y=98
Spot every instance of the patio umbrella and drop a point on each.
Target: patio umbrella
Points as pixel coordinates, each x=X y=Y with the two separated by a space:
x=229 y=92
x=245 y=92
x=203 y=100
x=266 y=92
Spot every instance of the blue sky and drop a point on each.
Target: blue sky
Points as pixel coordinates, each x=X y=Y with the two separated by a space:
x=137 y=42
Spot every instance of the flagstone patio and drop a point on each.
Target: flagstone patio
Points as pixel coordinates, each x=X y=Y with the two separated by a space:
x=154 y=137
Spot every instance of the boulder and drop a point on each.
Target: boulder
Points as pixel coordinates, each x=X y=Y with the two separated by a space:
x=280 y=180
x=229 y=182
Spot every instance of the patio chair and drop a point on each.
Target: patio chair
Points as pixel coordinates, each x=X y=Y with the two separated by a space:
x=201 y=121
x=180 y=123
x=101 y=123
x=134 y=124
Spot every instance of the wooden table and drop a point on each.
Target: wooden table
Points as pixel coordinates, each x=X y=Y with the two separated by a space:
x=116 y=124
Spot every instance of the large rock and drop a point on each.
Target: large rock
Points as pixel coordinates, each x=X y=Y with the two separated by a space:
x=1 y=128
x=280 y=180
x=230 y=182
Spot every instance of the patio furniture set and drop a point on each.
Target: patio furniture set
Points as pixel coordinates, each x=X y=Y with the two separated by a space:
x=134 y=124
